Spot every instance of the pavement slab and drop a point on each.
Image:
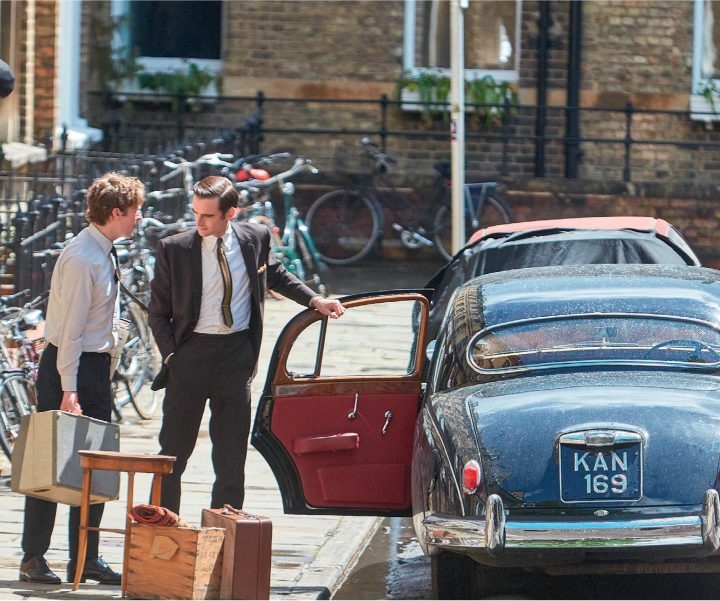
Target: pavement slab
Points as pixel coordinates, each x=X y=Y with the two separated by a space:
x=310 y=553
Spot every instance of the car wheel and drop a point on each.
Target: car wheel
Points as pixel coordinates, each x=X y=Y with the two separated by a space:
x=457 y=576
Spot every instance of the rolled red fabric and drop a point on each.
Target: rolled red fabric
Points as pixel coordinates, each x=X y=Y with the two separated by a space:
x=157 y=516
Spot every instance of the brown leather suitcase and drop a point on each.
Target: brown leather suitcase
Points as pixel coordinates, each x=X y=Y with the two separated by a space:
x=247 y=552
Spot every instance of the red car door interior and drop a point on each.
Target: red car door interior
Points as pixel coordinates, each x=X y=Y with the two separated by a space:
x=350 y=437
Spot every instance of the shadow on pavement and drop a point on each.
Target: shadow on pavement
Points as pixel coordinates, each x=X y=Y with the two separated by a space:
x=29 y=590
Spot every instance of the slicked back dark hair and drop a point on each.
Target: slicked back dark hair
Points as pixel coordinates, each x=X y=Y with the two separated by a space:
x=216 y=186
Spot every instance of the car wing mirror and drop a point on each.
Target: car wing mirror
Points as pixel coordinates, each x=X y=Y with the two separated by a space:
x=430 y=350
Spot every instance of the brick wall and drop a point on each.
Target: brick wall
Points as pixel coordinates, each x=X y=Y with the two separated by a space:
x=322 y=48
x=697 y=217
x=641 y=47
x=641 y=52
x=632 y=51
x=45 y=66
x=20 y=73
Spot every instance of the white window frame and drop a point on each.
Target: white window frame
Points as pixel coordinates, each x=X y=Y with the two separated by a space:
x=153 y=64
x=499 y=75
x=698 y=102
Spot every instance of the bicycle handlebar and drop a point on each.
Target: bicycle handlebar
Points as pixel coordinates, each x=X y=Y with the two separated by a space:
x=150 y=221
x=4 y=300
x=259 y=159
x=22 y=311
x=376 y=155
x=301 y=164
x=218 y=159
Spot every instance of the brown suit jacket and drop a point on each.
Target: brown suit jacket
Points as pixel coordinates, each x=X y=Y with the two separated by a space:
x=176 y=289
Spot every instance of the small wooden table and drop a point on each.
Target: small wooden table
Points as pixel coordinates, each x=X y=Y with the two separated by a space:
x=113 y=461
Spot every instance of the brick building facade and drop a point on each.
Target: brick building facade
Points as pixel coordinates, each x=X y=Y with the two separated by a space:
x=641 y=52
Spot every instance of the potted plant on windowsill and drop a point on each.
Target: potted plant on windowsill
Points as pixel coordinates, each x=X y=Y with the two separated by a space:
x=192 y=83
x=420 y=91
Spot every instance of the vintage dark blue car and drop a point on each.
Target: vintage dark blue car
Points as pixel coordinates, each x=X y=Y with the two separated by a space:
x=571 y=422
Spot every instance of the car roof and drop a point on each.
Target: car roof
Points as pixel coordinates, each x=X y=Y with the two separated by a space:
x=682 y=291
x=645 y=224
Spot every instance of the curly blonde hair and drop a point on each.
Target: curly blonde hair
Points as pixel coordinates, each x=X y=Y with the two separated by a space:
x=113 y=191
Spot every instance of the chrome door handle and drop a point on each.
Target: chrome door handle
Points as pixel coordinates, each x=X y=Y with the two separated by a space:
x=353 y=414
x=388 y=417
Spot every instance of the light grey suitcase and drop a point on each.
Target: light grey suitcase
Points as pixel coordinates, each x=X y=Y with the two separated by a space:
x=45 y=460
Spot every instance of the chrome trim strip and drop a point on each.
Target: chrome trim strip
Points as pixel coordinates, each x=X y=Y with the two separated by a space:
x=585 y=437
x=437 y=435
x=592 y=363
x=448 y=531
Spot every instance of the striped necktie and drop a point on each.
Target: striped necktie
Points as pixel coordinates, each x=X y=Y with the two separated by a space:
x=227 y=284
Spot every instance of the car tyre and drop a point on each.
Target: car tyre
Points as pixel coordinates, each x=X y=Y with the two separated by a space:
x=456 y=576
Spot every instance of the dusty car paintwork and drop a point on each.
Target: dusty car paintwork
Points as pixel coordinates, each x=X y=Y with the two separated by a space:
x=513 y=421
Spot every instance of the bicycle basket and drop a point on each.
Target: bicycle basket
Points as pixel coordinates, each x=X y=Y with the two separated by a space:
x=351 y=161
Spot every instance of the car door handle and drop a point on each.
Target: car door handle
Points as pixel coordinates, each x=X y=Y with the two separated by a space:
x=353 y=414
x=388 y=417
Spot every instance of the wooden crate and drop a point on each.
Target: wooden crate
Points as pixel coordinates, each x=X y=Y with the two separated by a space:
x=174 y=563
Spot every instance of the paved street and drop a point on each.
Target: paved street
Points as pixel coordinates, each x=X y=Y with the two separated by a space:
x=310 y=554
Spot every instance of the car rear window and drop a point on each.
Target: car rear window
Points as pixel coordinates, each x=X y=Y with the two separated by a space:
x=597 y=339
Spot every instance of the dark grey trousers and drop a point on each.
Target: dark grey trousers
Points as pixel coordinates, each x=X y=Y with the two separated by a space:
x=95 y=398
x=219 y=368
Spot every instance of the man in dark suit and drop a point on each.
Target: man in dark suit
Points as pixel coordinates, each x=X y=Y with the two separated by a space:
x=206 y=313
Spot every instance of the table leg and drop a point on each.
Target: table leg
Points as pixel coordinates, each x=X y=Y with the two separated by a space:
x=82 y=537
x=128 y=532
x=156 y=490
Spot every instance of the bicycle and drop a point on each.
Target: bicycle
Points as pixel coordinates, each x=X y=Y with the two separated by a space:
x=215 y=159
x=346 y=224
x=18 y=396
x=295 y=248
x=139 y=363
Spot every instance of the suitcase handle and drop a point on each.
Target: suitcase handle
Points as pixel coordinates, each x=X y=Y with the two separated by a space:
x=230 y=509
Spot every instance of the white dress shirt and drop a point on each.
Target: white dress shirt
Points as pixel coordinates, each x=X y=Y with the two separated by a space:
x=211 y=319
x=82 y=308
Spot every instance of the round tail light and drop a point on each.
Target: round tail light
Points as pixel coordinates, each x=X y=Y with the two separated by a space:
x=472 y=476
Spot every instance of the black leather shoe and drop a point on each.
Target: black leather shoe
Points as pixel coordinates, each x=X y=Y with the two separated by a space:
x=36 y=569
x=95 y=569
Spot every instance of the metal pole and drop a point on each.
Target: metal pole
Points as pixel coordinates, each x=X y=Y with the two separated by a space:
x=457 y=123
x=628 y=140
x=542 y=72
x=572 y=114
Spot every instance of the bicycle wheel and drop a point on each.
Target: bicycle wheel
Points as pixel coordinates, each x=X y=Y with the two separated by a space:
x=344 y=225
x=494 y=212
x=17 y=396
x=139 y=365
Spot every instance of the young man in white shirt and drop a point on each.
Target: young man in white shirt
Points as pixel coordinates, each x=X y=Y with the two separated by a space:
x=74 y=373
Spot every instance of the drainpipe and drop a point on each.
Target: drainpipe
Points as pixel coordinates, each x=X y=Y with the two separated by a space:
x=572 y=115
x=30 y=74
x=542 y=55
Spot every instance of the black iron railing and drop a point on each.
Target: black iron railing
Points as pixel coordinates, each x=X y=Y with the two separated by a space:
x=254 y=115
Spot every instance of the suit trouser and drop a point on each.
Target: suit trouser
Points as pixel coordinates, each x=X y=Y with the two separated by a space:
x=219 y=368
x=95 y=398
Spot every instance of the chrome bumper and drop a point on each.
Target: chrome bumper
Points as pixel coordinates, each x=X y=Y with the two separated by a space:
x=499 y=531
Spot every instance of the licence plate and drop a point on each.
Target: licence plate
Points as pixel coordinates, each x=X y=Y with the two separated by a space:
x=607 y=474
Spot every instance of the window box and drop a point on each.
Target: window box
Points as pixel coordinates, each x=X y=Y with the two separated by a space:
x=702 y=110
